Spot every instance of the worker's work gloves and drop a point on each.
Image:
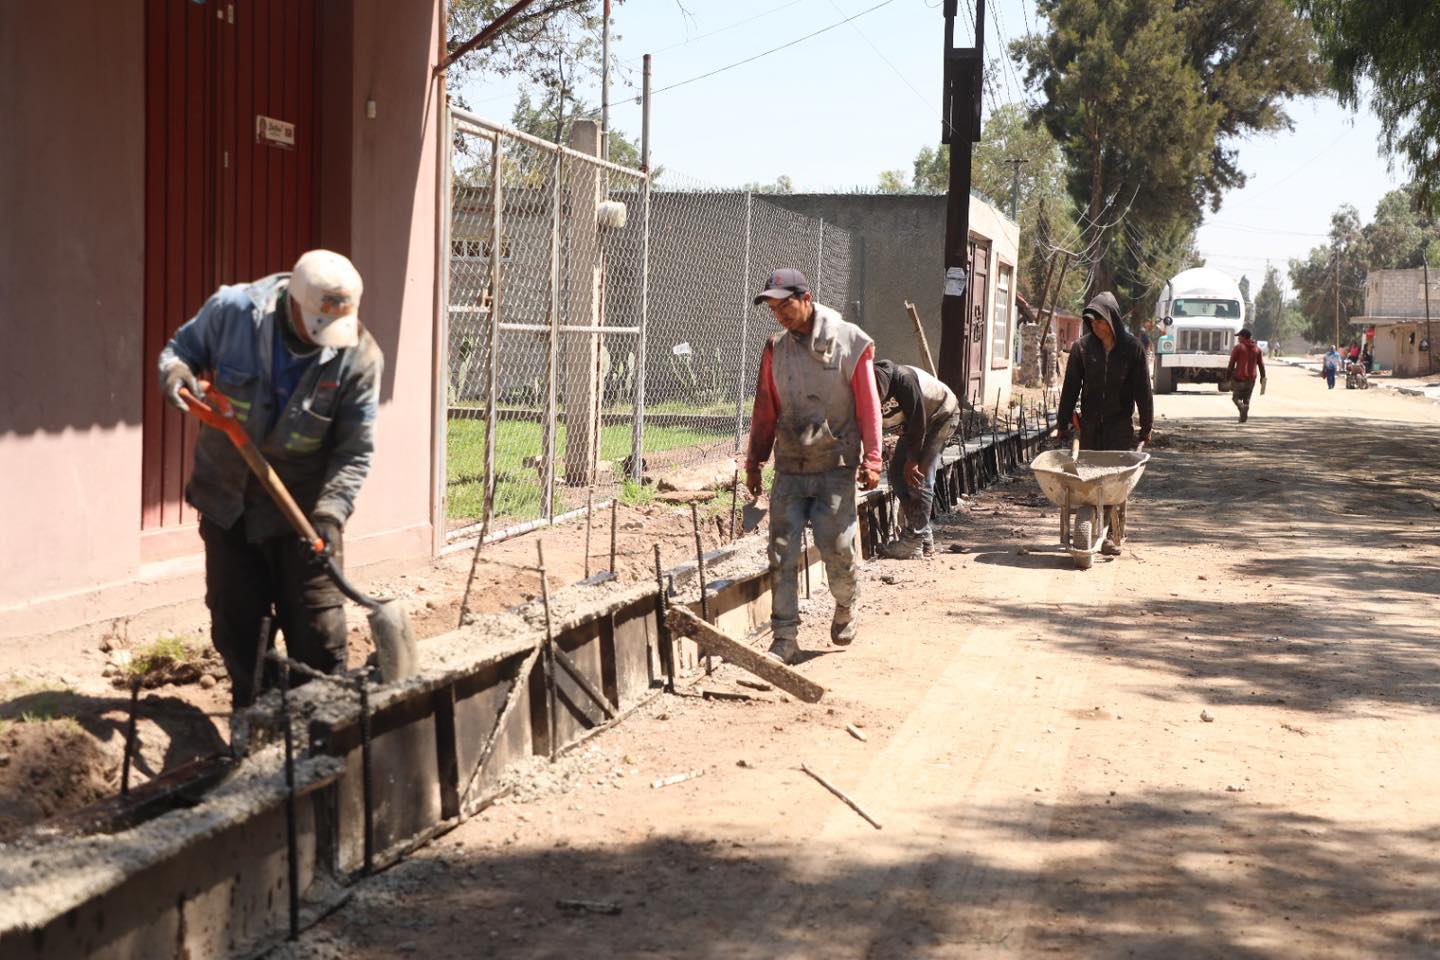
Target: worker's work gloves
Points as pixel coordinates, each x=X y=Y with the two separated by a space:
x=329 y=530
x=178 y=374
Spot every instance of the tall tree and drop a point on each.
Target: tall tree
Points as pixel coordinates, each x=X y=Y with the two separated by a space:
x=1333 y=277
x=1147 y=99
x=1388 y=49
x=533 y=44
x=1269 y=303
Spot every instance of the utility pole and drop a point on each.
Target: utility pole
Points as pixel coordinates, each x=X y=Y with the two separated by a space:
x=1429 y=334
x=960 y=128
x=1336 y=258
x=1015 y=186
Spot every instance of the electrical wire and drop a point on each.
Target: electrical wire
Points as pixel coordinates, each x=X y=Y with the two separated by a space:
x=766 y=53
x=719 y=30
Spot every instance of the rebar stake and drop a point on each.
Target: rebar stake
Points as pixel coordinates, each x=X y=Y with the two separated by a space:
x=291 y=844
x=366 y=782
x=589 y=522
x=700 y=570
x=662 y=632
x=130 y=736
x=734 y=499
x=549 y=651
x=614 y=523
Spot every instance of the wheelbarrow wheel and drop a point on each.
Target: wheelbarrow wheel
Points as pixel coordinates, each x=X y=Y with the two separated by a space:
x=1080 y=538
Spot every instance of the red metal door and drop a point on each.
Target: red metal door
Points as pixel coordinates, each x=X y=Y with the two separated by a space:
x=230 y=111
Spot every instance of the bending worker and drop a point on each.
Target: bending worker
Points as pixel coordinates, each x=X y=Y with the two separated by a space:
x=1108 y=375
x=303 y=376
x=930 y=415
x=1246 y=362
x=816 y=406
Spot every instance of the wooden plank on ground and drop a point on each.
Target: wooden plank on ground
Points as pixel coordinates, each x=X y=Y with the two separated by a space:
x=683 y=623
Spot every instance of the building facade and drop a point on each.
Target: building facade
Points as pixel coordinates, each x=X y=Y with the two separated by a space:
x=1397 y=311
x=153 y=151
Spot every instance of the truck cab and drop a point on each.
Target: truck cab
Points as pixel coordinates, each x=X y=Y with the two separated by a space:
x=1198 y=315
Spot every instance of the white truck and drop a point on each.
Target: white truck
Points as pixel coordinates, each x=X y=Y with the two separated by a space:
x=1199 y=312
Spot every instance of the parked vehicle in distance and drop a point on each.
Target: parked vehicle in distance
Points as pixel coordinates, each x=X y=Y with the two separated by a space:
x=1200 y=310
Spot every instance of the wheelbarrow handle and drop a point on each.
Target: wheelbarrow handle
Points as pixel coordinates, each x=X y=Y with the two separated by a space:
x=220 y=414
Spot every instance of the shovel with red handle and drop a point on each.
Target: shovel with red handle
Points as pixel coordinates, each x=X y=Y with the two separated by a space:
x=389 y=622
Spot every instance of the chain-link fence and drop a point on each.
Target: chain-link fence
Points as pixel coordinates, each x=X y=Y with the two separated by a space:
x=608 y=317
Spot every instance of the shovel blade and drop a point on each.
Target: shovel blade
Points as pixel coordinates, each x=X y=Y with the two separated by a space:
x=395 y=647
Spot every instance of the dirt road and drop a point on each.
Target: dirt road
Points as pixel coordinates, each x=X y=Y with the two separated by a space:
x=1038 y=749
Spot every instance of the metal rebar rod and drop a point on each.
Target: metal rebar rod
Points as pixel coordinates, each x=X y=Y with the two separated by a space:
x=367 y=783
x=292 y=846
x=734 y=500
x=130 y=737
x=614 y=518
x=700 y=569
x=552 y=696
x=589 y=523
x=662 y=632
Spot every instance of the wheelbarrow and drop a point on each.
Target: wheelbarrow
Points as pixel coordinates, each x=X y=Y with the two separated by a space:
x=1091 y=489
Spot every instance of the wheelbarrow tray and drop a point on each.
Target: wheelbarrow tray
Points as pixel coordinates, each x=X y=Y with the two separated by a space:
x=1099 y=477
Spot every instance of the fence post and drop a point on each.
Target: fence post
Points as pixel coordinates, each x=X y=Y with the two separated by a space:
x=553 y=352
x=492 y=382
x=744 y=326
x=819 y=260
x=637 y=439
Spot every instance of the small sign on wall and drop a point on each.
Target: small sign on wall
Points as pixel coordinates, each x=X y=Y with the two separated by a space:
x=277 y=133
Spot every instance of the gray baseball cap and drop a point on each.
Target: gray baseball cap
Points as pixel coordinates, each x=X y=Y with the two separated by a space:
x=784 y=283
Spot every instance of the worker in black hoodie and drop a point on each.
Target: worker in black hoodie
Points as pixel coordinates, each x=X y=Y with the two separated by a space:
x=1108 y=374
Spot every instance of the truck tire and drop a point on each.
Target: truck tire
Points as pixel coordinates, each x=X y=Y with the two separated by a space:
x=1165 y=380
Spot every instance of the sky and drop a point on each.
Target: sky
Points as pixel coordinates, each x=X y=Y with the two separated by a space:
x=833 y=110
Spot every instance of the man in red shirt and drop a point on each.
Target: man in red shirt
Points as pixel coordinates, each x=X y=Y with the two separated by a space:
x=1246 y=361
x=817 y=408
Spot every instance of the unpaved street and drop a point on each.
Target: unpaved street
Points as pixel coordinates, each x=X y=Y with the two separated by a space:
x=1038 y=749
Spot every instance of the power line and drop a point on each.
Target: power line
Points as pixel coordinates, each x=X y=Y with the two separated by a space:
x=766 y=53
x=903 y=79
x=719 y=30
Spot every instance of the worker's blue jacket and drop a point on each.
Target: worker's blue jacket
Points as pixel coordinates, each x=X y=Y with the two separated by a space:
x=320 y=443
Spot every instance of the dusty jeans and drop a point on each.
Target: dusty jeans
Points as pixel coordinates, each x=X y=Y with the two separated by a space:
x=917 y=504
x=826 y=501
x=1241 y=392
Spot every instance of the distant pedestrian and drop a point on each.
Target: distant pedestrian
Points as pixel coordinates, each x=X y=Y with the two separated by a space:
x=1331 y=366
x=1246 y=362
x=817 y=408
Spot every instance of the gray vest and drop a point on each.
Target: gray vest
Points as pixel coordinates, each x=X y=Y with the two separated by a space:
x=817 y=429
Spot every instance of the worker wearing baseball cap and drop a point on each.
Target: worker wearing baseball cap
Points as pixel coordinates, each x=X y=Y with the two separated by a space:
x=303 y=376
x=817 y=408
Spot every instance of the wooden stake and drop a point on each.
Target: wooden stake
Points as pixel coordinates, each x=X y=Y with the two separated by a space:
x=841 y=794
x=683 y=623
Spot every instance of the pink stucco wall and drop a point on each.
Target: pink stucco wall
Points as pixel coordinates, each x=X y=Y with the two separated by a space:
x=71 y=297
x=393 y=226
x=71 y=294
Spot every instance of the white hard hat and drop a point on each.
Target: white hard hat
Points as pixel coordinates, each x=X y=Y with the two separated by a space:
x=326 y=287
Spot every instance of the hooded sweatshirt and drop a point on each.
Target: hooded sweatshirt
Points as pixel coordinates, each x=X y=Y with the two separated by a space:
x=1109 y=385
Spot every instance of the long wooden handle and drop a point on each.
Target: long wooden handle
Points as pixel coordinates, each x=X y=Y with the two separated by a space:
x=920 y=334
x=274 y=486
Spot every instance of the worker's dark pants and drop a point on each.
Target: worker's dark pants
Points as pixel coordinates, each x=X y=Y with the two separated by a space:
x=917 y=504
x=1110 y=436
x=1241 y=392
x=254 y=588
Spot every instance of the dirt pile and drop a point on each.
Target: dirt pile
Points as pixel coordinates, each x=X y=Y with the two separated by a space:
x=47 y=768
